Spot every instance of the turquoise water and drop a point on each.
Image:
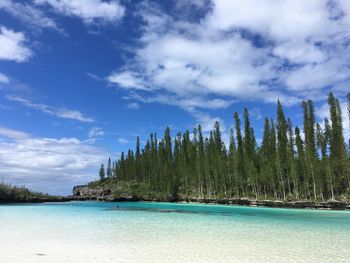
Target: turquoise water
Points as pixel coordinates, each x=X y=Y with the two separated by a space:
x=166 y=232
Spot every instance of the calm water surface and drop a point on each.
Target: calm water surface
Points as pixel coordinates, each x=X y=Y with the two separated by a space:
x=164 y=232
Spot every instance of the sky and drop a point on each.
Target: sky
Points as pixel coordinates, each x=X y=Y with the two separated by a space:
x=80 y=79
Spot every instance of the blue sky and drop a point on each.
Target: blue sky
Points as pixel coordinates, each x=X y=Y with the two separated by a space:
x=79 y=80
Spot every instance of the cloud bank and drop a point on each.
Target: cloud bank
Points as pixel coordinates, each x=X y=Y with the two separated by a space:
x=247 y=50
x=47 y=164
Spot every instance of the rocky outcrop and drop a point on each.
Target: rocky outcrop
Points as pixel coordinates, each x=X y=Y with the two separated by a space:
x=86 y=192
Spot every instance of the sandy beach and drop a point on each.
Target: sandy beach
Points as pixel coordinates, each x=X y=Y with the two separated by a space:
x=59 y=233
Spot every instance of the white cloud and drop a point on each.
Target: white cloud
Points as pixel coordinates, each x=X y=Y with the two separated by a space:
x=95 y=132
x=13 y=45
x=318 y=76
x=207 y=121
x=123 y=141
x=186 y=103
x=4 y=79
x=13 y=134
x=72 y=114
x=279 y=19
x=58 y=112
x=29 y=15
x=127 y=80
x=47 y=164
x=133 y=106
x=240 y=50
x=299 y=52
x=89 y=10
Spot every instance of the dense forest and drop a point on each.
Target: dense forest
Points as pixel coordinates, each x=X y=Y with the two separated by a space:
x=289 y=163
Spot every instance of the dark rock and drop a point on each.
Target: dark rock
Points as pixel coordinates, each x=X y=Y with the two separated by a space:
x=322 y=205
x=337 y=204
x=301 y=204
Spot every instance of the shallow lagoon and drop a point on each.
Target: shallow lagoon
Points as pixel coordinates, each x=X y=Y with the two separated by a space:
x=167 y=232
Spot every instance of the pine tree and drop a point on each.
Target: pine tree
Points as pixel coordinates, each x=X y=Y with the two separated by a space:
x=284 y=166
x=177 y=163
x=292 y=162
x=168 y=164
x=138 y=160
x=220 y=161
x=265 y=160
x=282 y=148
x=323 y=167
x=109 y=169
x=337 y=139
x=273 y=158
x=337 y=146
x=233 y=184
x=102 y=173
x=300 y=163
x=240 y=153
x=249 y=153
x=328 y=141
x=310 y=145
x=200 y=167
x=121 y=171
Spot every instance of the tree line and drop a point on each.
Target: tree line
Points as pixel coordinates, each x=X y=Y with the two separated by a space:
x=289 y=163
x=10 y=193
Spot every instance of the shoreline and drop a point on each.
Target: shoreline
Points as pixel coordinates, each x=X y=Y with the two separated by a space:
x=298 y=204
x=37 y=200
x=306 y=204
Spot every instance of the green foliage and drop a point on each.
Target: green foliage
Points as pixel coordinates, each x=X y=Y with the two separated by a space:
x=9 y=193
x=287 y=165
x=102 y=172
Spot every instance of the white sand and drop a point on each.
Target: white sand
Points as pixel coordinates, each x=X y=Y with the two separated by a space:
x=35 y=236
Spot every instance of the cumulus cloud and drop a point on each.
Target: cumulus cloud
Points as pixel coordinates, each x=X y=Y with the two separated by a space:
x=13 y=45
x=30 y=15
x=51 y=165
x=240 y=50
x=58 y=112
x=89 y=10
